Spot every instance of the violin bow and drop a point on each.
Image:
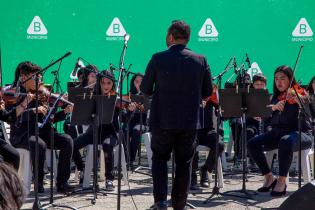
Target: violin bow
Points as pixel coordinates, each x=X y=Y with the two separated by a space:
x=294 y=70
x=0 y=67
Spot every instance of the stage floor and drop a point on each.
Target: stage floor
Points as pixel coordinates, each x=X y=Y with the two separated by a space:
x=141 y=191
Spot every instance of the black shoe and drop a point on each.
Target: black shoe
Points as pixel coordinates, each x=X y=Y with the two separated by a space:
x=161 y=205
x=277 y=194
x=194 y=187
x=65 y=188
x=109 y=186
x=266 y=189
x=41 y=188
x=204 y=178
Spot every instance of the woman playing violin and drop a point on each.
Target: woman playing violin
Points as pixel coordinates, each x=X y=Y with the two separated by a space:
x=284 y=133
x=23 y=130
x=107 y=132
x=134 y=116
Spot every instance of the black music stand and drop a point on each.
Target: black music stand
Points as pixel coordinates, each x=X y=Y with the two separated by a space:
x=142 y=100
x=92 y=109
x=244 y=103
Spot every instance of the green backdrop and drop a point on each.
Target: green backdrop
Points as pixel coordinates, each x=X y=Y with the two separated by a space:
x=261 y=28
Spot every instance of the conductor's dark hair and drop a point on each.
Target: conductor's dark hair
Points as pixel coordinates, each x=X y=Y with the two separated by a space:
x=180 y=30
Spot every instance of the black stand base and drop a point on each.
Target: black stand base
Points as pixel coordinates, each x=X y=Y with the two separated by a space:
x=137 y=170
x=98 y=191
x=169 y=204
x=38 y=206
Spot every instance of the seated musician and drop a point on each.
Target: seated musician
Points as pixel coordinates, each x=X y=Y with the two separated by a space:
x=236 y=123
x=87 y=78
x=311 y=91
x=106 y=131
x=7 y=151
x=206 y=136
x=283 y=134
x=134 y=118
x=23 y=130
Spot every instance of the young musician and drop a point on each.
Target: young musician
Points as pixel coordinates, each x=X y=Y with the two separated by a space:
x=23 y=130
x=134 y=118
x=87 y=78
x=7 y=151
x=206 y=136
x=283 y=134
x=106 y=131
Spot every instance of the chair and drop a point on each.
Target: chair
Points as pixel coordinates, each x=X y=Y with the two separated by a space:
x=305 y=161
x=89 y=164
x=201 y=148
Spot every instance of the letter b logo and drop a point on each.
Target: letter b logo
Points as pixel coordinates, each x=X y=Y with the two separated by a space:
x=116 y=28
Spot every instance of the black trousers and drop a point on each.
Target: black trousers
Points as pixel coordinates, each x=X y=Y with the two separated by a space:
x=87 y=138
x=286 y=143
x=206 y=138
x=76 y=156
x=62 y=142
x=9 y=154
x=183 y=143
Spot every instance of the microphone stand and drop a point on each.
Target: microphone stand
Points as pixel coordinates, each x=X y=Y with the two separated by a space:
x=300 y=111
x=36 y=204
x=244 y=85
x=121 y=133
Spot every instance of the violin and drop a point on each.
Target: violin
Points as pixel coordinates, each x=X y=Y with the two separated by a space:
x=9 y=96
x=292 y=99
x=213 y=98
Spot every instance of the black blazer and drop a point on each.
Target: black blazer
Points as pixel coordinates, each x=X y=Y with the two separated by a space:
x=178 y=79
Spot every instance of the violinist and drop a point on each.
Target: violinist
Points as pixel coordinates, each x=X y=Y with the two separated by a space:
x=206 y=136
x=236 y=123
x=7 y=151
x=87 y=78
x=134 y=118
x=23 y=130
x=106 y=131
x=311 y=92
x=283 y=134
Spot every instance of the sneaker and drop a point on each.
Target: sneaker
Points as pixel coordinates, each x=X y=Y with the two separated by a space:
x=109 y=185
x=161 y=205
x=204 y=178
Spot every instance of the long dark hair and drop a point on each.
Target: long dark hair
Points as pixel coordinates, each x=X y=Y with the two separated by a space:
x=109 y=75
x=86 y=72
x=133 y=89
x=310 y=86
x=11 y=190
x=25 y=67
x=288 y=72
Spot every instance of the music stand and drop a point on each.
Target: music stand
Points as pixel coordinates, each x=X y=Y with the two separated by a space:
x=244 y=103
x=142 y=100
x=92 y=109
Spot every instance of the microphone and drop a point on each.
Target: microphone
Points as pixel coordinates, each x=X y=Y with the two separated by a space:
x=74 y=72
x=126 y=38
x=235 y=66
x=248 y=61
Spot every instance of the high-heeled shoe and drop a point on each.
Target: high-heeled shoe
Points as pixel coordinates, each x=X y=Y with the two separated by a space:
x=266 y=189
x=277 y=194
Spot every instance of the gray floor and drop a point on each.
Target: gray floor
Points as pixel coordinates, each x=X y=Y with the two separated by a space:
x=141 y=193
